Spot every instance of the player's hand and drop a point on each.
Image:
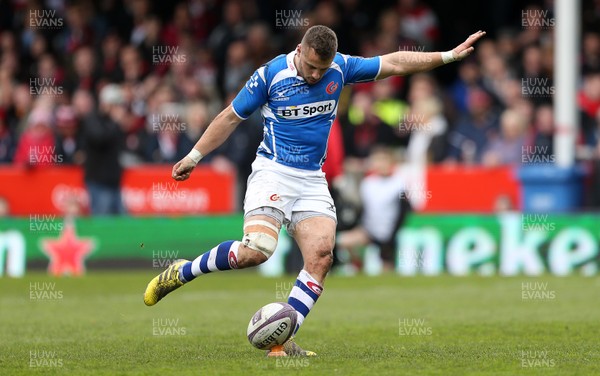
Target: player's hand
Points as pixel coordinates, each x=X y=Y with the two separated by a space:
x=183 y=169
x=466 y=48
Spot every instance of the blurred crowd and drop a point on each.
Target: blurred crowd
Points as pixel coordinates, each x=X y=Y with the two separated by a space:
x=113 y=84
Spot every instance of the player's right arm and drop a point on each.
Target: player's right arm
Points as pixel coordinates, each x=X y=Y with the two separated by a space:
x=215 y=135
x=252 y=96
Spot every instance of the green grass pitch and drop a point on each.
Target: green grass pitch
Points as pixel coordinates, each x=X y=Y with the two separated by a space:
x=98 y=325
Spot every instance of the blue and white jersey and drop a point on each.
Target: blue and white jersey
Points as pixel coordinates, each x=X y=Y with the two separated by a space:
x=297 y=117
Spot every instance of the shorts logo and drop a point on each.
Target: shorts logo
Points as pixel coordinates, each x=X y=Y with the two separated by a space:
x=274 y=197
x=232 y=260
x=331 y=87
x=314 y=287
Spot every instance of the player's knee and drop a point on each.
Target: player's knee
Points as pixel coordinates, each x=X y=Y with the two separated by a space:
x=258 y=247
x=248 y=257
x=322 y=258
x=325 y=259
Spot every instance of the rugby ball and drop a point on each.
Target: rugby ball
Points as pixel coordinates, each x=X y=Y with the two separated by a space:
x=272 y=325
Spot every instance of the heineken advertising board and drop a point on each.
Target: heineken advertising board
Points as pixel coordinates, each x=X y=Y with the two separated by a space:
x=506 y=244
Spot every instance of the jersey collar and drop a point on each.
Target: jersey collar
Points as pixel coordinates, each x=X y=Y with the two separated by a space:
x=291 y=66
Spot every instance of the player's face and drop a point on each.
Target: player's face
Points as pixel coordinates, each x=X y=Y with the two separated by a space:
x=311 y=67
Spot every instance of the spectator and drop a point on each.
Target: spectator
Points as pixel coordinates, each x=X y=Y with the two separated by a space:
x=205 y=72
x=469 y=76
x=238 y=66
x=83 y=103
x=495 y=74
x=259 y=44
x=418 y=22
x=84 y=74
x=21 y=105
x=543 y=134
x=469 y=137
x=68 y=137
x=139 y=10
x=234 y=27
x=535 y=17
x=384 y=208
x=37 y=47
x=7 y=141
x=366 y=127
x=103 y=142
x=181 y=25
x=109 y=67
x=164 y=141
x=426 y=123
x=590 y=57
x=197 y=119
x=509 y=148
x=152 y=47
x=133 y=127
x=133 y=68
x=593 y=200
x=534 y=73
x=77 y=32
x=507 y=46
x=36 y=146
x=589 y=96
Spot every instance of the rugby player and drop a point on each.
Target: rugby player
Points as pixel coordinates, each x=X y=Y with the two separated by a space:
x=298 y=96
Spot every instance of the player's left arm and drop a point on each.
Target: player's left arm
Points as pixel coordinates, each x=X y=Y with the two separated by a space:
x=402 y=63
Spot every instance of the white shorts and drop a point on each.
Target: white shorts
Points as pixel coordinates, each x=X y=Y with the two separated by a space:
x=297 y=193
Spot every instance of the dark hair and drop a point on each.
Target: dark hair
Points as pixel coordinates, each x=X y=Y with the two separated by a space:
x=323 y=40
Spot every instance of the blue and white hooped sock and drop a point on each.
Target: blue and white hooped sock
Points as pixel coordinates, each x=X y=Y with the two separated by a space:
x=304 y=295
x=222 y=257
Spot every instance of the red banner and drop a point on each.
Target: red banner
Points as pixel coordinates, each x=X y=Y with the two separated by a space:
x=150 y=190
x=471 y=189
x=146 y=190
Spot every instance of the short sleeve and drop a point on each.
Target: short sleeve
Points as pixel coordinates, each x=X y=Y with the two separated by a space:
x=252 y=96
x=360 y=69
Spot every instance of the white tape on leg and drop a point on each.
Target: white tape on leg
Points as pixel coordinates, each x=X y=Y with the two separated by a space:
x=261 y=242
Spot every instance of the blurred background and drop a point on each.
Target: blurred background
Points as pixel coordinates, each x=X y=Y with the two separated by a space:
x=452 y=171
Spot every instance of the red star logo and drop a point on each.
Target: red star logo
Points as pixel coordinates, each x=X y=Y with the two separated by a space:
x=67 y=252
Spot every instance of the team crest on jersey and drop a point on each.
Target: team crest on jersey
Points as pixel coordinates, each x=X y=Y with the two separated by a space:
x=331 y=87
